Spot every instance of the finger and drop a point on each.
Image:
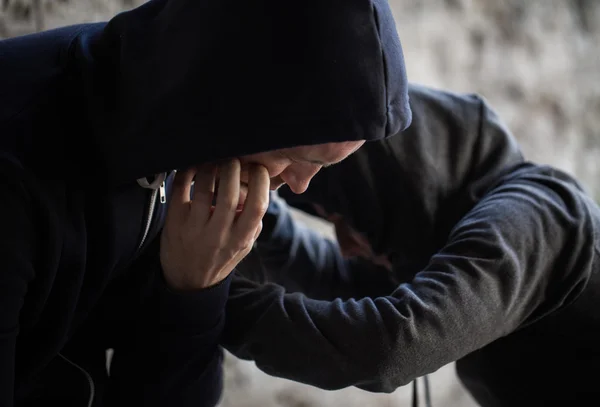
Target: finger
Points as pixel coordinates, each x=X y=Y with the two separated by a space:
x=320 y=211
x=361 y=241
x=204 y=189
x=352 y=247
x=255 y=206
x=227 y=196
x=182 y=186
x=383 y=261
x=179 y=201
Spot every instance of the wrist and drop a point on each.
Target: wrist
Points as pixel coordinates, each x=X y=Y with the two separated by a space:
x=191 y=311
x=186 y=285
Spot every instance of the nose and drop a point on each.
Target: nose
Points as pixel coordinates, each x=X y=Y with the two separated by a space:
x=298 y=183
x=276 y=183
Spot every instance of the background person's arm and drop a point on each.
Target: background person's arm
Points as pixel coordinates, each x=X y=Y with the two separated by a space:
x=488 y=280
x=300 y=259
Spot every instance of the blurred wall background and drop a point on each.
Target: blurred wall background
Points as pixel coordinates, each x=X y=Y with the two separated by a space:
x=536 y=61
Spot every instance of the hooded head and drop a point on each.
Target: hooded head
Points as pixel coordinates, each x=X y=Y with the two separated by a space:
x=175 y=83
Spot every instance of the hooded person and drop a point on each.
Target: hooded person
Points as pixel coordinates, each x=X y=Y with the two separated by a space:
x=461 y=250
x=94 y=121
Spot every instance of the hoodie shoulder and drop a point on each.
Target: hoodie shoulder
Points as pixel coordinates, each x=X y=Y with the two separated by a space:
x=31 y=65
x=461 y=106
x=41 y=109
x=463 y=130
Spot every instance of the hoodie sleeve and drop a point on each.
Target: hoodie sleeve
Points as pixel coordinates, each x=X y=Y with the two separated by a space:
x=302 y=260
x=168 y=354
x=506 y=264
x=17 y=250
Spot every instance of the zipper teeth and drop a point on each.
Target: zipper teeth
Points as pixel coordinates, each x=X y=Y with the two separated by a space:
x=87 y=376
x=149 y=219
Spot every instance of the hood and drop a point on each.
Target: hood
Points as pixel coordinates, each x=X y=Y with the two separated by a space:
x=176 y=83
x=407 y=192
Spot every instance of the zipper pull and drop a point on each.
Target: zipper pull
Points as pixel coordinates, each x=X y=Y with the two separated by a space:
x=162 y=193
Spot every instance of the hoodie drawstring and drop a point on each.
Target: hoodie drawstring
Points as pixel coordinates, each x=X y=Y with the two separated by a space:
x=415 y=397
x=158 y=179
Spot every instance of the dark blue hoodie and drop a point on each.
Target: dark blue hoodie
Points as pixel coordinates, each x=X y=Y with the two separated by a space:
x=88 y=109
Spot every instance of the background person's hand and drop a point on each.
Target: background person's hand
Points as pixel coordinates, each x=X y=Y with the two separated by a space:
x=200 y=244
x=351 y=242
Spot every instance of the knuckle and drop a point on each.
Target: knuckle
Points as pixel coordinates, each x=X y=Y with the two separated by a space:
x=246 y=251
x=246 y=246
x=263 y=172
x=243 y=244
x=263 y=205
x=259 y=207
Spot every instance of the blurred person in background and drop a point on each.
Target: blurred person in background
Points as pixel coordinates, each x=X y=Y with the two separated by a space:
x=104 y=245
x=451 y=247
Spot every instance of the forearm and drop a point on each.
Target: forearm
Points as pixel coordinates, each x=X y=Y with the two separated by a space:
x=487 y=281
x=303 y=260
x=168 y=354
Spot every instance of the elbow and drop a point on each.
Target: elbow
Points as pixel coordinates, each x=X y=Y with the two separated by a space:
x=386 y=376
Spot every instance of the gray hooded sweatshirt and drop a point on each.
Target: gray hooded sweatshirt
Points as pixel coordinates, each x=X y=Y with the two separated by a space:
x=495 y=265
